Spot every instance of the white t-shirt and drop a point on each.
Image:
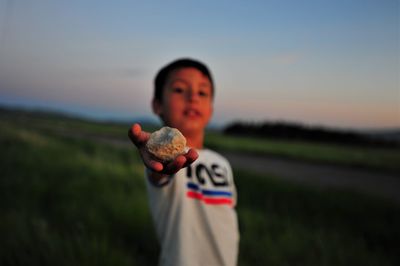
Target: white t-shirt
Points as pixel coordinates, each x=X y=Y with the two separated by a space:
x=194 y=214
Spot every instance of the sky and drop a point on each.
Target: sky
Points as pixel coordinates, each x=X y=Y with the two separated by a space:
x=319 y=63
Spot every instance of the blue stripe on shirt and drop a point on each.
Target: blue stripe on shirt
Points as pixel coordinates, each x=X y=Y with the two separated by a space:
x=207 y=192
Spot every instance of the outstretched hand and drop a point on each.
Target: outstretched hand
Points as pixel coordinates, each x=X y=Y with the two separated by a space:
x=140 y=138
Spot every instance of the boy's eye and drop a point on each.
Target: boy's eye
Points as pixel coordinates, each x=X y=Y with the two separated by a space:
x=203 y=94
x=177 y=90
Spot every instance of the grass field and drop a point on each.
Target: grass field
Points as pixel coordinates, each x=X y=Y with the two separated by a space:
x=66 y=201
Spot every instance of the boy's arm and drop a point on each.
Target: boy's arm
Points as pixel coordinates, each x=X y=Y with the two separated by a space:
x=157 y=169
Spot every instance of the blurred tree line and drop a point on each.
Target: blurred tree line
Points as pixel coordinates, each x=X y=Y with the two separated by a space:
x=293 y=131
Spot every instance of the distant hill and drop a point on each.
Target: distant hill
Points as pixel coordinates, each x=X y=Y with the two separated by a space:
x=53 y=114
x=293 y=131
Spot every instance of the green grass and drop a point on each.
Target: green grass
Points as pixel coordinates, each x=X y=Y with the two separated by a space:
x=286 y=224
x=68 y=202
x=65 y=201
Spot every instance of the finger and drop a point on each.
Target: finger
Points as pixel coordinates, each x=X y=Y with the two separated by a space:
x=191 y=156
x=136 y=129
x=134 y=132
x=137 y=135
x=175 y=165
x=151 y=163
x=155 y=166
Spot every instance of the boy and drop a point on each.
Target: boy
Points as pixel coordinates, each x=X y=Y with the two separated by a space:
x=192 y=198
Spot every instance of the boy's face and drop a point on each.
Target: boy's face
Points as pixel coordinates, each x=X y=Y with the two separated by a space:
x=186 y=101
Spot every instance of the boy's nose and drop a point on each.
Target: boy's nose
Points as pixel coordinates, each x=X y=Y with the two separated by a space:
x=193 y=96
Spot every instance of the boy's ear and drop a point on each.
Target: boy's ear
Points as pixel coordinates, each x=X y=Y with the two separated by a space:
x=156 y=104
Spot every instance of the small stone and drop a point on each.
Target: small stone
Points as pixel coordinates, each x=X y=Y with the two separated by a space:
x=166 y=144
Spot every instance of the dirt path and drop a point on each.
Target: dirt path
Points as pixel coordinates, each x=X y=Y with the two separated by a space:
x=321 y=175
x=318 y=175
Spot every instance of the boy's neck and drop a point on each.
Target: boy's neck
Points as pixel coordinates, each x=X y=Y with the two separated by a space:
x=195 y=140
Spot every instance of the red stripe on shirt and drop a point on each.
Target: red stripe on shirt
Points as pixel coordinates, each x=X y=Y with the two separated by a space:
x=217 y=201
x=194 y=195
x=208 y=200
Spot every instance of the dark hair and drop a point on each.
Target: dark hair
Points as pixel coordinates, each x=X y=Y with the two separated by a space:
x=162 y=75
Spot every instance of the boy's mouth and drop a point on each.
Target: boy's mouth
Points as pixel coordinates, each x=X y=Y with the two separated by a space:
x=192 y=113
